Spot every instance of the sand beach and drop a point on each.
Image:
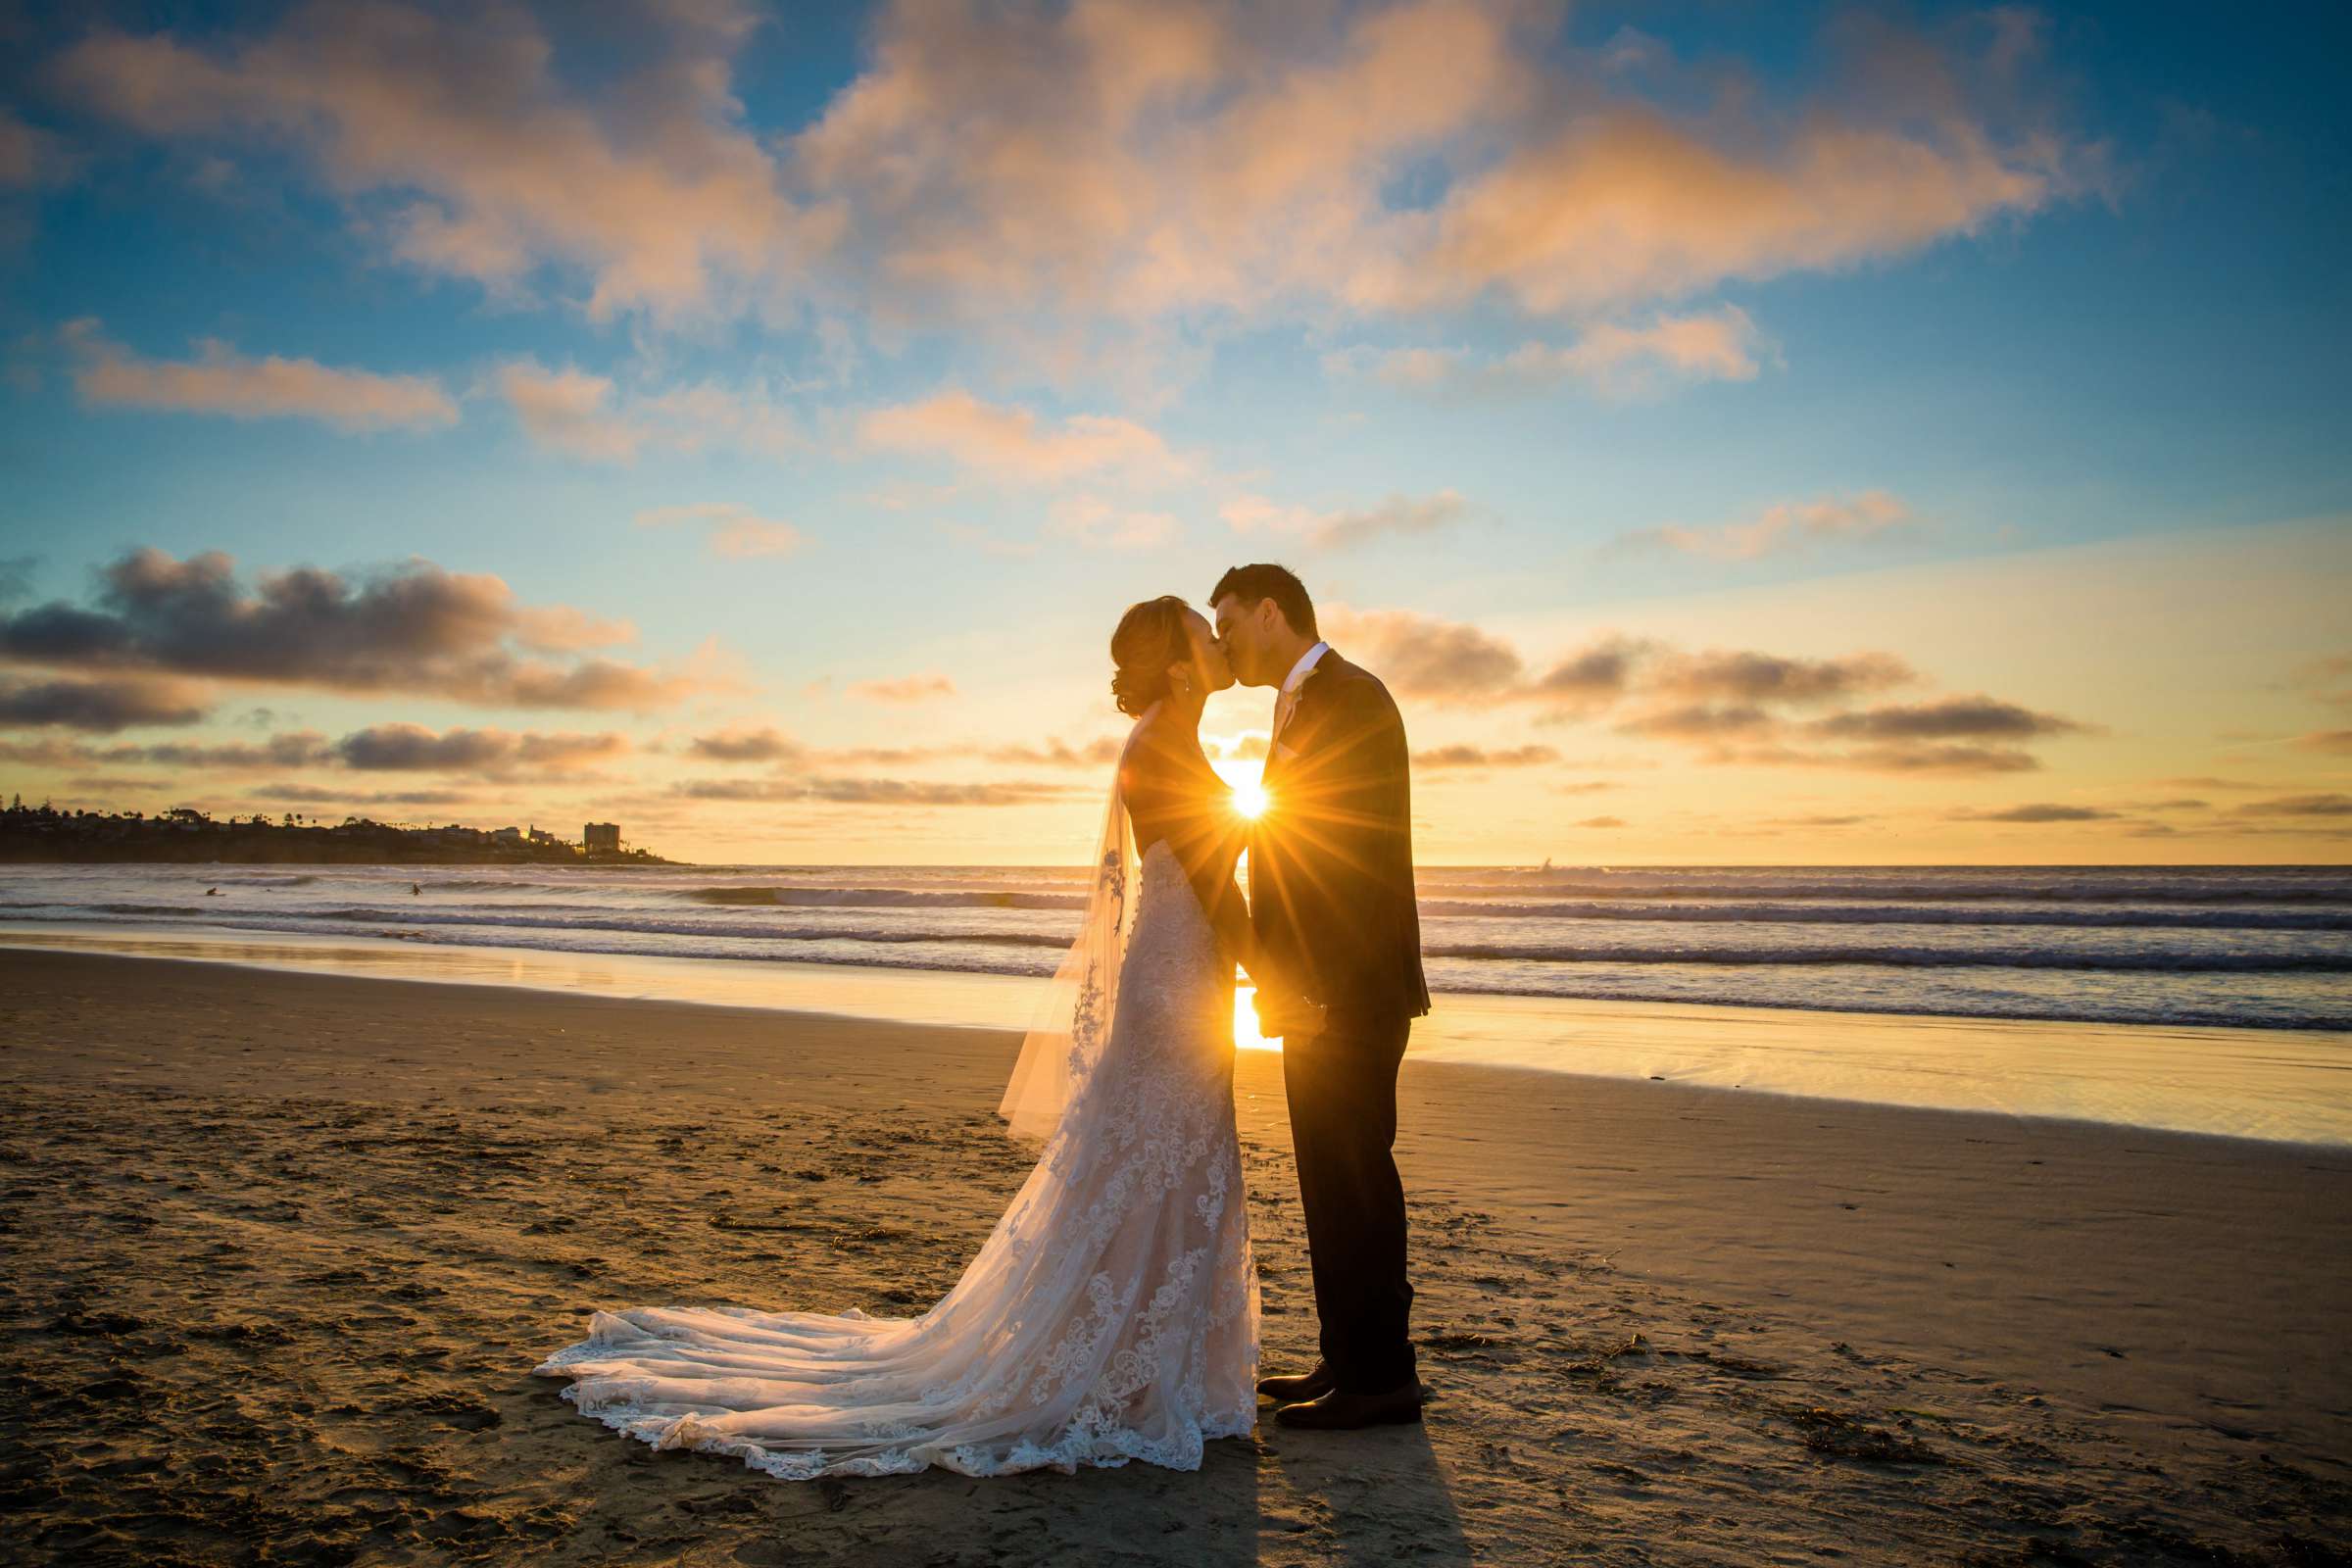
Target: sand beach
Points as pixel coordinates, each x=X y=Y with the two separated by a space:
x=285 y=1247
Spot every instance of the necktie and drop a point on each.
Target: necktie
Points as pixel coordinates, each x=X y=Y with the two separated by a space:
x=1284 y=706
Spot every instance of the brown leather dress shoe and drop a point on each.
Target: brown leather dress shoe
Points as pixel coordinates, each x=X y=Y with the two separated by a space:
x=1297 y=1390
x=1340 y=1411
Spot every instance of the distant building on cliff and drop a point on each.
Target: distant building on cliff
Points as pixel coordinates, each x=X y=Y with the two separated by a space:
x=602 y=836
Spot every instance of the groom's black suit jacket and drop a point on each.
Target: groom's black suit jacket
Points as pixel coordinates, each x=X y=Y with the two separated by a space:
x=1331 y=859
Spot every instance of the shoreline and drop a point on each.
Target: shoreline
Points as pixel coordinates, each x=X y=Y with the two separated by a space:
x=2271 y=1085
x=1635 y=1300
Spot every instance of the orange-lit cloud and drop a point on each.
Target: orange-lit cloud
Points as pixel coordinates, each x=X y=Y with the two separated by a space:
x=1443 y=758
x=220 y=380
x=569 y=411
x=581 y=414
x=1616 y=358
x=904 y=690
x=1424 y=655
x=1136 y=161
x=736 y=531
x=1395 y=516
x=1014 y=442
x=868 y=792
x=652 y=187
x=745 y=746
x=1784 y=528
x=1039 y=171
x=1093 y=524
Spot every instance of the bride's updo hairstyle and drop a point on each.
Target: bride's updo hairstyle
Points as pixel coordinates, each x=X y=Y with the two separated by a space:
x=1151 y=637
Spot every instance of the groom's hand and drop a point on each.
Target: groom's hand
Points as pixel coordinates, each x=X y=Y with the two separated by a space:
x=1288 y=1018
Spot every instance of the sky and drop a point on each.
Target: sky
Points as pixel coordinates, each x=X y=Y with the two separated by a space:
x=1737 y=434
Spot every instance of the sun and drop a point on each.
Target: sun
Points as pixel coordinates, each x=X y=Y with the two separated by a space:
x=1249 y=790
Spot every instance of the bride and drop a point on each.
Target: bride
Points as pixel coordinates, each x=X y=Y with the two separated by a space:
x=1113 y=1312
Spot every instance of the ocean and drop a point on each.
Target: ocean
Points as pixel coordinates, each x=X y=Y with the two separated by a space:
x=2246 y=947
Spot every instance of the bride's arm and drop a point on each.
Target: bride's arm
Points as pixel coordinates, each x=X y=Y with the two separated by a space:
x=1185 y=800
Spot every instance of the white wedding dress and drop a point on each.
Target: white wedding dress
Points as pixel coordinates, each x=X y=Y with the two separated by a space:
x=1111 y=1315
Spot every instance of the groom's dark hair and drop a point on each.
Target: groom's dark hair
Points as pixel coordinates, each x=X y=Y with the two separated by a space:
x=1265 y=580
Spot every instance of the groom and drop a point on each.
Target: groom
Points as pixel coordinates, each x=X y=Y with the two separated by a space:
x=1331 y=897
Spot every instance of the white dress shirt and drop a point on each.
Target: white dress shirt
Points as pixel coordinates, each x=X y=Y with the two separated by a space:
x=1289 y=699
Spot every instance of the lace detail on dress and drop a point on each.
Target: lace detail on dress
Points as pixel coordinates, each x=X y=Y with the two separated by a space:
x=1111 y=1315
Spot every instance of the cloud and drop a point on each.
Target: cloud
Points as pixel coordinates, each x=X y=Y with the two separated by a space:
x=1592 y=676
x=2297 y=806
x=1769 y=678
x=2335 y=742
x=582 y=415
x=115 y=784
x=321 y=795
x=988 y=544
x=567 y=410
x=2036 y=814
x=1897 y=759
x=2334 y=670
x=1143 y=163
x=1463 y=755
x=30 y=157
x=1947 y=718
x=1932 y=759
x=460 y=151
x=1397 y=514
x=1013 y=443
x=413 y=628
x=1784 y=528
x=868 y=792
x=101 y=705
x=745 y=746
x=1094 y=524
x=1057 y=754
x=296 y=748
x=1424 y=655
x=1732 y=706
x=1055 y=173
x=1614 y=359
x=1701 y=721
x=1601 y=821
x=220 y=380
x=413 y=747
x=736 y=531
x=907 y=689
x=2206 y=781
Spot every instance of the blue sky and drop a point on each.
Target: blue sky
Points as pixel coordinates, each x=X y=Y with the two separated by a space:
x=867 y=365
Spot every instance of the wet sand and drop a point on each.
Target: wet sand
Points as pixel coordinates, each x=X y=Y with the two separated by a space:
x=283 y=1248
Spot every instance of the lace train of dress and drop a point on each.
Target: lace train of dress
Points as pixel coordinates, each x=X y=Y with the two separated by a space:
x=1111 y=1315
